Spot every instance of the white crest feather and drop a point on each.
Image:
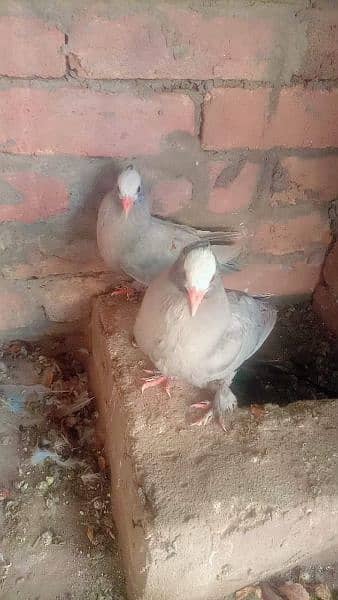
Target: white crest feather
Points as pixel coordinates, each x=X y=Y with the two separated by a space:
x=128 y=182
x=199 y=267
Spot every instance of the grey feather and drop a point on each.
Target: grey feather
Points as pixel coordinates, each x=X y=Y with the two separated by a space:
x=143 y=245
x=228 y=328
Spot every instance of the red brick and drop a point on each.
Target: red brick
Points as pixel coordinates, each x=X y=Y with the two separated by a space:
x=308 y=178
x=41 y=197
x=30 y=47
x=330 y=270
x=293 y=235
x=86 y=122
x=238 y=194
x=75 y=258
x=276 y=279
x=171 y=195
x=18 y=307
x=304 y=119
x=239 y=118
x=182 y=44
x=234 y=118
x=69 y=299
x=325 y=305
x=321 y=61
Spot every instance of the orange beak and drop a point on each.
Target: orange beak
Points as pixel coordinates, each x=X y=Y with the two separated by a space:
x=195 y=298
x=127 y=203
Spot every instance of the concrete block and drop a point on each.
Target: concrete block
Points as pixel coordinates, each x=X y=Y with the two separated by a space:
x=201 y=513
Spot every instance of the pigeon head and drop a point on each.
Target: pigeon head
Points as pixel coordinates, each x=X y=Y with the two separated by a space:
x=199 y=269
x=129 y=185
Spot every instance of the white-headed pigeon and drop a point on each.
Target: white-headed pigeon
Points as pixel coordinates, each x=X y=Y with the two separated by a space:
x=194 y=330
x=132 y=240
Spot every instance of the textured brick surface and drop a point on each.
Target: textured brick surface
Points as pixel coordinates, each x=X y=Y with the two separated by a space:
x=177 y=44
x=321 y=59
x=170 y=196
x=304 y=119
x=277 y=279
x=203 y=99
x=301 y=179
x=84 y=122
x=69 y=299
x=234 y=118
x=19 y=307
x=30 y=47
x=293 y=235
x=80 y=256
x=237 y=194
x=240 y=118
x=38 y=197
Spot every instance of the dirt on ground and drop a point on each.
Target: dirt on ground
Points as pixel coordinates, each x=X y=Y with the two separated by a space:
x=58 y=540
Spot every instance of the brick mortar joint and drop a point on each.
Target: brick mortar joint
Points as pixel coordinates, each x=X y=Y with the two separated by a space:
x=71 y=80
x=90 y=275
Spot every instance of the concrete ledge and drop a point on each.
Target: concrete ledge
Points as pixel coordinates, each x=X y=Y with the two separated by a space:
x=201 y=513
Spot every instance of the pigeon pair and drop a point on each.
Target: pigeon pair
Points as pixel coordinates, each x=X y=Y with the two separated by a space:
x=188 y=324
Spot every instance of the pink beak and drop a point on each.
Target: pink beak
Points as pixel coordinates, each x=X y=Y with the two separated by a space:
x=127 y=204
x=195 y=298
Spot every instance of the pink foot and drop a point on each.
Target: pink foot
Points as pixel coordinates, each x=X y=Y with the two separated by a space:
x=124 y=290
x=206 y=407
x=154 y=380
x=207 y=412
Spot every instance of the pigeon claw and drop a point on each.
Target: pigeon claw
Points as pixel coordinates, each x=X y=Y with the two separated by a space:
x=156 y=380
x=207 y=413
x=124 y=290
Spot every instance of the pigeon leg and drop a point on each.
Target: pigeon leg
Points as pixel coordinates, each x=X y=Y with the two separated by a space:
x=206 y=408
x=124 y=290
x=156 y=379
x=225 y=401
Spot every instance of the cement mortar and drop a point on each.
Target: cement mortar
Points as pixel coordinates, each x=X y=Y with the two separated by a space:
x=201 y=513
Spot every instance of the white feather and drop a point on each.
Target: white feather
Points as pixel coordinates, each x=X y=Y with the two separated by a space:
x=128 y=182
x=200 y=267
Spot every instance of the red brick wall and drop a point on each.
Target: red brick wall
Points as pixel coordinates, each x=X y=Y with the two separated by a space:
x=229 y=110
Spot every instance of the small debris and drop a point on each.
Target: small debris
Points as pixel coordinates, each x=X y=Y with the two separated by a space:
x=251 y=592
x=258 y=411
x=15 y=397
x=90 y=535
x=268 y=592
x=90 y=478
x=48 y=376
x=42 y=454
x=46 y=538
x=323 y=592
x=79 y=404
x=4 y=494
x=294 y=591
x=305 y=576
x=22 y=486
x=101 y=461
x=17 y=348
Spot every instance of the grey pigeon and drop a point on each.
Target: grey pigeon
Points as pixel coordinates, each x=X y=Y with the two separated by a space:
x=194 y=330
x=130 y=239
